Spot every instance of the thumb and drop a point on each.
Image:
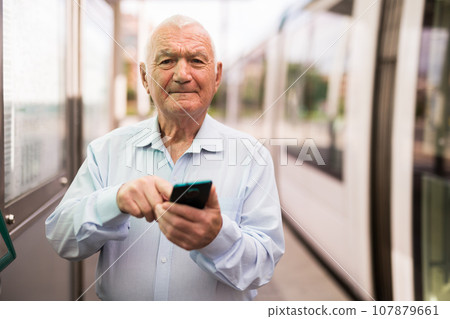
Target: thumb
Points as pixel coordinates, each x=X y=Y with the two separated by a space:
x=213 y=200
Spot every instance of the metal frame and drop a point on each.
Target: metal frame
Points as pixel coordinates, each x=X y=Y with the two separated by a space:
x=381 y=153
x=74 y=118
x=402 y=198
x=24 y=206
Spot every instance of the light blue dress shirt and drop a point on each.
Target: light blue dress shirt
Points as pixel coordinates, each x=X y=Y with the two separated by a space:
x=136 y=261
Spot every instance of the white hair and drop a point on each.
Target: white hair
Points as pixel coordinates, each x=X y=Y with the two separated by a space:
x=179 y=21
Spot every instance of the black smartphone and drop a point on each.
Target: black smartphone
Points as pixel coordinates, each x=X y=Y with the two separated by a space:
x=192 y=194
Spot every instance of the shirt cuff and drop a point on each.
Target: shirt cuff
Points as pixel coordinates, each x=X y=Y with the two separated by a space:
x=108 y=211
x=228 y=235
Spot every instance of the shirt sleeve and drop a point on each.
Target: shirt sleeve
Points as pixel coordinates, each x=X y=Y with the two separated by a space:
x=87 y=216
x=244 y=254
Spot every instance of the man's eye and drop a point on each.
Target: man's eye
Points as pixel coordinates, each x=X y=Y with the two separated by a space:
x=197 y=61
x=166 y=61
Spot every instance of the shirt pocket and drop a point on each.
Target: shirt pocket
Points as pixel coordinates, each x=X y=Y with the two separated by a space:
x=231 y=207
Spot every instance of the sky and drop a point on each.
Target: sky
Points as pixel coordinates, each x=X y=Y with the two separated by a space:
x=236 y=26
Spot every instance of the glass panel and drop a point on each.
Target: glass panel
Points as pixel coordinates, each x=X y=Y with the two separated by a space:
x=316 y=57
x=432 y=151
x=97 y=25
x=251 y=89
x=219 y=102
x=435 y=237
x=33 y=93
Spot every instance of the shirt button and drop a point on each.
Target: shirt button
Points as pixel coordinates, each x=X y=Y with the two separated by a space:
x=164 y=260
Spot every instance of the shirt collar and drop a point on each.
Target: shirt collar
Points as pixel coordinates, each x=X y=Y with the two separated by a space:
x=207 y=138
x=150 y=136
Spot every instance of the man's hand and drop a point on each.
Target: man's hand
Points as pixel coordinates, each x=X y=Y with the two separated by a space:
x=189 y=227
x=140 y=197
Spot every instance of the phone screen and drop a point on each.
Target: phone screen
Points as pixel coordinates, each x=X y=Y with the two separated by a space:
x=192 y=194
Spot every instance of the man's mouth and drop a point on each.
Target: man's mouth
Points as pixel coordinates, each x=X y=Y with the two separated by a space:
x=181 y=92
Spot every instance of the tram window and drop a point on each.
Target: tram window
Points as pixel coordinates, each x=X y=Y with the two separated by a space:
x=97 y=22
x=432 y=155
x=316 y=77
x=219 y=102
x=251 y=89
x=33 y=93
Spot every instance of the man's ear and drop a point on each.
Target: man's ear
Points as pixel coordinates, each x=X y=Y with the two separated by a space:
x=218 y=75
x=143 y=72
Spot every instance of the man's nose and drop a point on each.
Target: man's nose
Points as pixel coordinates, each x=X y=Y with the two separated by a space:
x=182 y=72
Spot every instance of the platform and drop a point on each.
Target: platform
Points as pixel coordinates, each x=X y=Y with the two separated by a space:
x=299 y=276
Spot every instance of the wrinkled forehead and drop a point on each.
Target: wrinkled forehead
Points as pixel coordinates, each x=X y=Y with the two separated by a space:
x=190 y=38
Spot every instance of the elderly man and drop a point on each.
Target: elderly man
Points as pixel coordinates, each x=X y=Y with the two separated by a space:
x=118 y=204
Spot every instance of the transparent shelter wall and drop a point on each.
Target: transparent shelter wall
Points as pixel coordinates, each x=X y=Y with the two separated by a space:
x=34 y=100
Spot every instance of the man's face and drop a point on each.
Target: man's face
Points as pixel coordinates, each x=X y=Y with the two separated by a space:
x=182 y=64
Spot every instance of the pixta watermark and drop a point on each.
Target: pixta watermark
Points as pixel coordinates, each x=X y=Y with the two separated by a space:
x=234 y=151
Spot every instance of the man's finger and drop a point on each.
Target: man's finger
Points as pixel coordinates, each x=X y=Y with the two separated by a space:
x=159 y=211
x=213 y=200
x=184 y=211
x=134 y=210
x=141 y=201
x=176 y=236
x=153 y=196
x=163 y=187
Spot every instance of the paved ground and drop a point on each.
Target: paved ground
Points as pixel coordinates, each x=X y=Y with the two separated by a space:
x=299 y=276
